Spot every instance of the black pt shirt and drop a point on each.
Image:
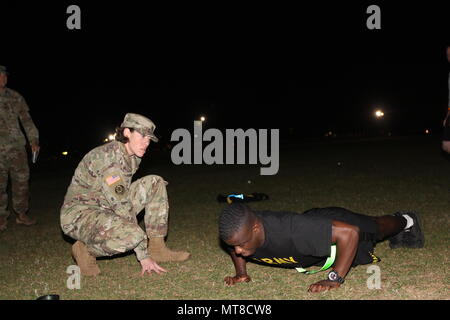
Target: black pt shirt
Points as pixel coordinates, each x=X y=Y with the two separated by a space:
x=293 y=240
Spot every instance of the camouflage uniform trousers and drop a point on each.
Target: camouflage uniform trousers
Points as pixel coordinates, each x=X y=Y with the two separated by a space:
x=106 y=233
x=14 y=164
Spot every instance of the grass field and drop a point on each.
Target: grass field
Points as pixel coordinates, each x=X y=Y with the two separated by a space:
x=375 y=177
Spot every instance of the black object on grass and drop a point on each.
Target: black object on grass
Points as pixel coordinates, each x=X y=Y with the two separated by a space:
x=240 y=197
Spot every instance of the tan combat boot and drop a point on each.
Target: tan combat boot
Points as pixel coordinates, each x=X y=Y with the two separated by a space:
x=22 y=218
x=86 y=262
x=160 y=253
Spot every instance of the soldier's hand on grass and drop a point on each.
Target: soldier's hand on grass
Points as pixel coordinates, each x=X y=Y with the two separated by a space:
x=323 y=285
x=233 y=280
x=149 y=265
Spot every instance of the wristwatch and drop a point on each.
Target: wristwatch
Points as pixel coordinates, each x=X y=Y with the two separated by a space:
x=335 y=277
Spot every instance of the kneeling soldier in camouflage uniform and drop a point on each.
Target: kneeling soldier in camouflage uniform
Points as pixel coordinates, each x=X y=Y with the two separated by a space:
x=101 y=203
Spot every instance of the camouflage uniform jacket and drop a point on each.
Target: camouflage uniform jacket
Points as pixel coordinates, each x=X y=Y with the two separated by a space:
x=13 y=109
x=102 y=179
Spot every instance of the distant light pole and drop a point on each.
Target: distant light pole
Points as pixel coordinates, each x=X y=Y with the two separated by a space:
x=379 y=114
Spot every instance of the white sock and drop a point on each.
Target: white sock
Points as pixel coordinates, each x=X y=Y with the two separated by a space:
x=409 y=221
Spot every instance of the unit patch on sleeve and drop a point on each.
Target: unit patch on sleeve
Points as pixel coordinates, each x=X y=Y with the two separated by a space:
x=120 y=189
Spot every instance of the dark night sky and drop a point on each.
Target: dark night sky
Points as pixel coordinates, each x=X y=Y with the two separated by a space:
x=309 y=67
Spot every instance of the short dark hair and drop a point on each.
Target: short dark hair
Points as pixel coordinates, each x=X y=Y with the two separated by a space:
x=119 y=134
x=232 y=218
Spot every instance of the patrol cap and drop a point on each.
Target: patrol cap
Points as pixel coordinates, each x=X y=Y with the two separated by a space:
x=3 y=70
x=140 y=123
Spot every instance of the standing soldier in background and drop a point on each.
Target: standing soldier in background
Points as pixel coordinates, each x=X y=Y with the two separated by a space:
x=13 y=156
x=446 y=136
x=101 y=204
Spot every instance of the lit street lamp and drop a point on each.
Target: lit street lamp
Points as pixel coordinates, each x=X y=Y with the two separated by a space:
x=379 y=114
x=111 y=137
